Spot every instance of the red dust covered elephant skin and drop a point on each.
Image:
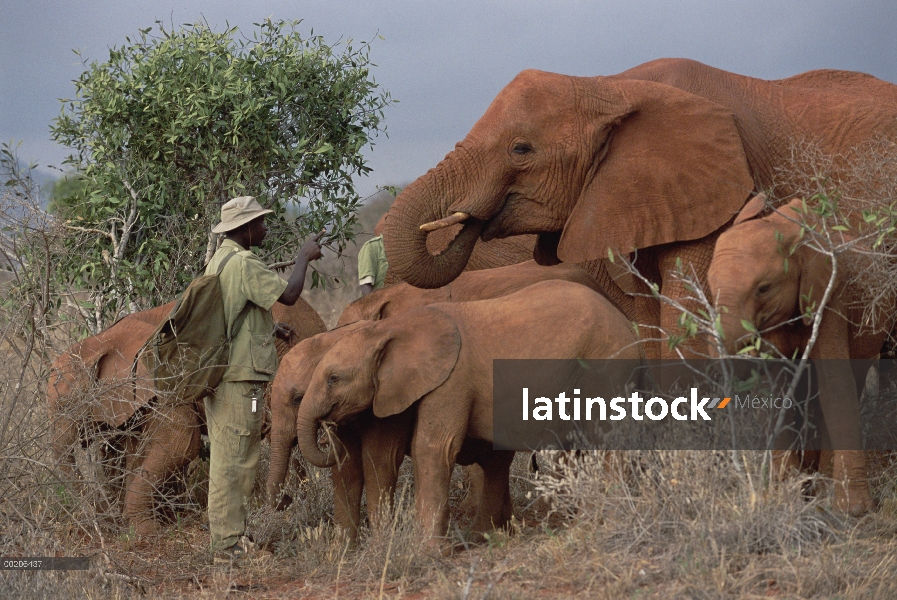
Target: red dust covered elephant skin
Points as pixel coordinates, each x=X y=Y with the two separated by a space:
x=92 y=390
x=437 y=360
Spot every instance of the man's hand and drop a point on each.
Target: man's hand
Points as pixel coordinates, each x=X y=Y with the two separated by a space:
x=310 y=250
x=284 y=332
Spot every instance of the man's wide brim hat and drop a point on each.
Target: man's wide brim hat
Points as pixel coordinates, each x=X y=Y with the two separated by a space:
x=239 y=211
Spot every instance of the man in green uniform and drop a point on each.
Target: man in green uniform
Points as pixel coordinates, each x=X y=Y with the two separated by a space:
x=372 y=265
x=234 y=415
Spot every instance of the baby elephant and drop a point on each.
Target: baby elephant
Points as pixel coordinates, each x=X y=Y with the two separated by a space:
x=763 y=275
x=438 y=360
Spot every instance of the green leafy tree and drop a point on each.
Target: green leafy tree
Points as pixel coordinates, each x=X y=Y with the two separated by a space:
x=175 y=124
x=67 y=189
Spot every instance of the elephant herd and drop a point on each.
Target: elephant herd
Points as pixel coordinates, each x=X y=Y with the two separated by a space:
x=657 y=164
x=417 y=373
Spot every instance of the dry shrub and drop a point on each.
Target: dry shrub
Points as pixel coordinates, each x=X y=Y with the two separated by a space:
x=393 y=549
x=641 y=499
x=862 y=186
x=701 y=525
x=306 y=522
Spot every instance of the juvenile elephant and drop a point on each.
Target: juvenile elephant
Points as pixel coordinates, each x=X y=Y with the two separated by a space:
x=436 y=363
x=657 y=159
x=376 y=447
x=93 y=390
x=755 y=278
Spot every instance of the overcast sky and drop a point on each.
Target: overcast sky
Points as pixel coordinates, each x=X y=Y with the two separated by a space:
x=445 y=61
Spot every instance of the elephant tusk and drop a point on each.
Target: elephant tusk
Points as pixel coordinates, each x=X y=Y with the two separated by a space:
x=448 y=221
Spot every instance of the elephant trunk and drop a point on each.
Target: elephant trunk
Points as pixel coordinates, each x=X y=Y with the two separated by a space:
x=282 y=437
x=732 y=328
x=307 y=433
x=433 y=197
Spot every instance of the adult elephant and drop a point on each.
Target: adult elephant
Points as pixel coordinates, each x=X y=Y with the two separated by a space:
x=657 y=159
x=97 y=390
x=435 y=364
x=765 y=276
x=374 y=448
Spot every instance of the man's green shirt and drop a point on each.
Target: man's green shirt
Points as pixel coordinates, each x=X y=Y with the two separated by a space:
x=253 y=356
x=372 y=263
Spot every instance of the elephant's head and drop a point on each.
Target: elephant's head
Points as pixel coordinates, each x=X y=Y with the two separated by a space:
x=372 y=307
x=294 y=323
x=391 y=300
x=287 y=392
x=385 y=366
x=589 y=164
x=764 y=276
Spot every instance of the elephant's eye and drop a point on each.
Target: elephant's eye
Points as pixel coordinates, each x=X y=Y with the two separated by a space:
x=763 y=289
x=521 y=148
x=297 y=400
x=333 y=379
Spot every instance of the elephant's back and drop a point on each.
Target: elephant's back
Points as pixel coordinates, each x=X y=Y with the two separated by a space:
x=833 y=108
x=501 y=281
x=153 y=316
x=839 y=81
x=842 y=108
x=550 y=319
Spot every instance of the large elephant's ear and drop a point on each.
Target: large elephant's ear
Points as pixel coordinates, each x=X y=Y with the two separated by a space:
x=416 y=352
x=673 y=169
